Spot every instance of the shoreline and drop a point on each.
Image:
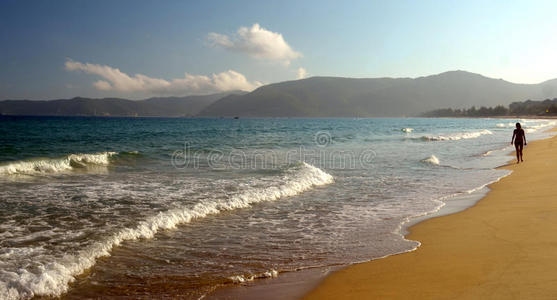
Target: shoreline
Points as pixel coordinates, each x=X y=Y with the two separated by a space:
x=449 y=152
x=468 y=257
x=296 y=284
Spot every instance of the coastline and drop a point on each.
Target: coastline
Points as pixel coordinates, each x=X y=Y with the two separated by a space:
x=296 y=284
x=500 y=247
x=101 y=280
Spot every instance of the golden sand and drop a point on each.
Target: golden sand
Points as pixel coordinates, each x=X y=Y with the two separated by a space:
x=504 y=247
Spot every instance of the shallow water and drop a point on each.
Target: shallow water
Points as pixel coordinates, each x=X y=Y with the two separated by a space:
x=136 y=207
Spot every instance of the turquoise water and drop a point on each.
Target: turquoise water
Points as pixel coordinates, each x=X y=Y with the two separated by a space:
x=109 y=207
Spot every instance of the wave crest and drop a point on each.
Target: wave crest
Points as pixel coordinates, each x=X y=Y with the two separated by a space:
x=503 y=125
x=56 y=165
x=431 y=160
x=534 y=128
x=456 y=136
x=53 y=278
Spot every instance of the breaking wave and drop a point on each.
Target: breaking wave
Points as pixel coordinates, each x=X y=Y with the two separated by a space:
x=503 y=125
x=455 y=136
x=534 y=128
x=52 y=278
x=431 y=160
x=57 y=165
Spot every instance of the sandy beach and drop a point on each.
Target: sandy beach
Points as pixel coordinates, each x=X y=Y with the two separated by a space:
x=504 y=247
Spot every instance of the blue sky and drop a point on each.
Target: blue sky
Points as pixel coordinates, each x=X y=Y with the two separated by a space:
x=62 y=49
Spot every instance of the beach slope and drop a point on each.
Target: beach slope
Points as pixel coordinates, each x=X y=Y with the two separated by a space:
x=504 y=247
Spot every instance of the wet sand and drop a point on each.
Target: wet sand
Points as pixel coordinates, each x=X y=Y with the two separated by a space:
x=504 y=247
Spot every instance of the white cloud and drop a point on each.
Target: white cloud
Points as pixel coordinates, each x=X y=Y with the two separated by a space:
x=257 y=42
x=116 y=80
x=302 y=73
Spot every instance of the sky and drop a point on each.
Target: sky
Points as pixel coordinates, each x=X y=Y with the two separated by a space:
x=140 y=49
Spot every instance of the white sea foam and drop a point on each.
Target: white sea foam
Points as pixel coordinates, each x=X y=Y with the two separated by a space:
x=52 y=278
x=456 y=136
x=534 y=128
x=503 y=125
x=407 y=130
x=431 y=160
x=56 y=165
x=525 y=124
x=247 y=278
x=487 y=153
x=241 y=278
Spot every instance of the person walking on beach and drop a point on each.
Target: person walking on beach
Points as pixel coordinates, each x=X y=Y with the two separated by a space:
x=519 y=140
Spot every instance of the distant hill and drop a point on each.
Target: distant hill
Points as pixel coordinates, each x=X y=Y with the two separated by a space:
x=312 y=97
x=153 y=107
x=376 y=97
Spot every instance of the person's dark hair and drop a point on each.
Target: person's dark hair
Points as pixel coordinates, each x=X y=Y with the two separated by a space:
x=518 y=125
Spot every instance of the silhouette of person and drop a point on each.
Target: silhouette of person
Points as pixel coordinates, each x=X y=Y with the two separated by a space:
x=519 y=141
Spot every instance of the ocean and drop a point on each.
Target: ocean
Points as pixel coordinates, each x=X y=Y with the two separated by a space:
x=152 y=207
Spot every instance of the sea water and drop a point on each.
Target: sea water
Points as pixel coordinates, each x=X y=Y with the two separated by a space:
x=143 y=207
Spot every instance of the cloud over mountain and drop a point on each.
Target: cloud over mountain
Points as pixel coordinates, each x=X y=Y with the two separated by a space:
x=116 y=80
x=256 y=42
x=302 y=73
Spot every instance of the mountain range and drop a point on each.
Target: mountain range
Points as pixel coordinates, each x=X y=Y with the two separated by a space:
x=153 y=107
x=311 y=97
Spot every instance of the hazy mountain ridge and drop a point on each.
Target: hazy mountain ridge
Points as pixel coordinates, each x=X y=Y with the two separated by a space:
x=374 y=97
x=152 y=107
x=311 y=97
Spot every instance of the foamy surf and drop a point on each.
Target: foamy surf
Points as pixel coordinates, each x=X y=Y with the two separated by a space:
x=526 y=125
x=456 y=136
x=534 y=128
x=52 y=275
x=247 y=278
x=503 y=125
x=431 y=160
x=56 y=165
x=54 y=223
